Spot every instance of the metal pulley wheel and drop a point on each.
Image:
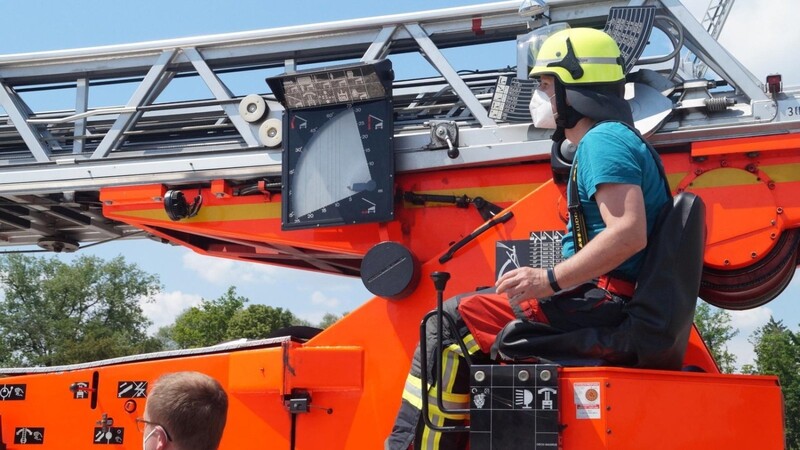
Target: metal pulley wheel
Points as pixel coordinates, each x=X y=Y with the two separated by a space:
x=252 y=108
x=271 y=132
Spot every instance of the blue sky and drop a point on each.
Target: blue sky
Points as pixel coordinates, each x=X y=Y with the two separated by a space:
x=760 y=37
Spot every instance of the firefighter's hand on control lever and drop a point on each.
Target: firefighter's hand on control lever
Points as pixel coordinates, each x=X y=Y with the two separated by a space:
x=524 y=283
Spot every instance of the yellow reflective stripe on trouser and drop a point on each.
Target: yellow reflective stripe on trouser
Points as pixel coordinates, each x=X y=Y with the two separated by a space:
x=470 y=343
x=450 y=361
x=412 y=393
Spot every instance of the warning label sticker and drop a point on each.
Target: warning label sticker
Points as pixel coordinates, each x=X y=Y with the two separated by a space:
x=587 y=400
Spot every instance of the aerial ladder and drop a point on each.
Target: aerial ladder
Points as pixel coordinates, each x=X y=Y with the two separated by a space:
x=337 y=165
x=713 y=20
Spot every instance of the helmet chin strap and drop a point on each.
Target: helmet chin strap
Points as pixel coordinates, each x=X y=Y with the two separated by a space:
x=567 y=116
x=559 y=135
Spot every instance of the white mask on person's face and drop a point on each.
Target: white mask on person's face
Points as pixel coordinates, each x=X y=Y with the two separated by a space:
x=144 y=442
x=542 y=110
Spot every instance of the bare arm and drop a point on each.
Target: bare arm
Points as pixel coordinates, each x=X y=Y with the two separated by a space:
x=622 y=209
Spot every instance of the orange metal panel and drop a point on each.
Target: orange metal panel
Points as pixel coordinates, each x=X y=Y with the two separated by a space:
x=743 y=223
x=750 y=197
x=221 y=189
x=655 y=410
x=256 y=419
x=255 y=219
x=745 y=145
x=126 y=195
x=355 y=370
x=257 y=372
x=316 y=367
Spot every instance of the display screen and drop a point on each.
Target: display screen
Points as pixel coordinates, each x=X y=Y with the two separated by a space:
x=333 y=86
x=330 y=88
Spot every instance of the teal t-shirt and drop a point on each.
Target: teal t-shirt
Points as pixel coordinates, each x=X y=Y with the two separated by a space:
x=612 y=153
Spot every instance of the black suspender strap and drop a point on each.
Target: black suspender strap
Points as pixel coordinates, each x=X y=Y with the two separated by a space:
x=580 y=235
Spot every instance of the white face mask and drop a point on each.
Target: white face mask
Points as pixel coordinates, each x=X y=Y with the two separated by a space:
x=144 y=442
x=542 y=110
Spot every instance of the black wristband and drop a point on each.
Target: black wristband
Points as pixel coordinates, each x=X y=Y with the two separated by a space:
x=551 y=277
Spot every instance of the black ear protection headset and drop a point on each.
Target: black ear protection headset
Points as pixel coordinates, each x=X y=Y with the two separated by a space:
x=562 y=152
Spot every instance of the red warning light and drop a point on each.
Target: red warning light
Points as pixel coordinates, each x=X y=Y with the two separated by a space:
x=774 y=84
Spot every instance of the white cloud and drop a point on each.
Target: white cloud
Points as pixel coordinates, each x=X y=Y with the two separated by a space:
x=746 y=322
x=742 y=349
x=319 y=305
x=320 y=299
x=224 y=271
x=313 y=317
x=166 y=307
x=762 y=39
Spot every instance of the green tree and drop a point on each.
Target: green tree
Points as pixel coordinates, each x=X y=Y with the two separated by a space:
x=329 y=319
x=778 y=353
x=56 y=313
x=207 y=324
x=258 y=322
x=715 y=326
x=226 y=319
x=301 y=322
x=164 y=336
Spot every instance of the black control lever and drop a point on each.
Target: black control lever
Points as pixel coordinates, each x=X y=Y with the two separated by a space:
x=466 y=240
x=440 y=282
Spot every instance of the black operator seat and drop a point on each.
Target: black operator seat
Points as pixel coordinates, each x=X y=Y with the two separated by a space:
x=655 y=331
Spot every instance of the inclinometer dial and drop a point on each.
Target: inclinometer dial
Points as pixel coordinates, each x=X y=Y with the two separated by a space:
x=338 y=165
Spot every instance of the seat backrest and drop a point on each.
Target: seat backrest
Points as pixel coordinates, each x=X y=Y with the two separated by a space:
x=662 y=308
x=655 y=331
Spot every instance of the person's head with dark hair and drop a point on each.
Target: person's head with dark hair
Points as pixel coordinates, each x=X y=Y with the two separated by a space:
x=184 y=411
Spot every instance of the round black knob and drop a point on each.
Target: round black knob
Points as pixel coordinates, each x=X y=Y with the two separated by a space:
x=440 y=280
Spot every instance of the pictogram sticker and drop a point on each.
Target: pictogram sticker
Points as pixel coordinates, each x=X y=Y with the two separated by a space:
x=132 y=389
x=523 y=398
x=12 y=392
x=587 y=400
x=480 y=397
x=81 y=390
x=29 y=435
x=109 y=436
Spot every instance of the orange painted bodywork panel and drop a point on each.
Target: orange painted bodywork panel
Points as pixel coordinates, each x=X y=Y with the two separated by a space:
x=751 y=197
x=744 y=145
x=750 y=200
x=354 y=371
x=133 y=195
x=69 y=423
x=698 y=355
x=654 y=410
x=255 y=219
x=311 y=366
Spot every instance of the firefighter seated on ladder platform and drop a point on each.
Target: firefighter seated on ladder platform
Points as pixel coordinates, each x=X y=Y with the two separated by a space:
x=621 y=190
